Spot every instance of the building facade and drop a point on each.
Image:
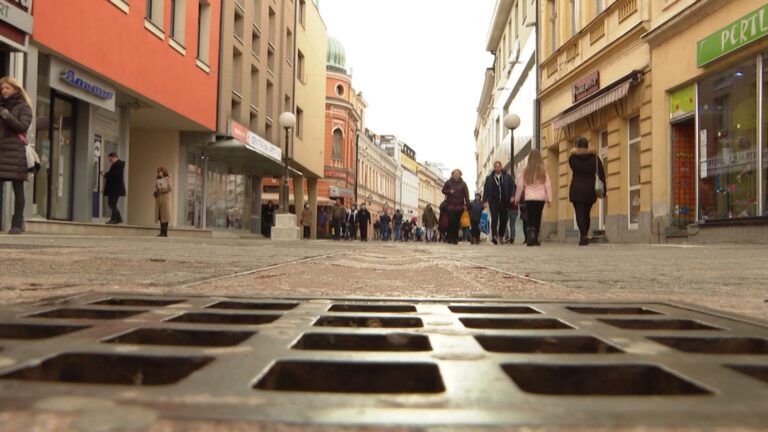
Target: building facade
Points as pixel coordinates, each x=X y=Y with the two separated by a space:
x=709 y=152
x=376 y=176
x=595 y=82
x=344 y=110
x=406 y=180
x=509 y=87
x=145 y=92
x=430 y=189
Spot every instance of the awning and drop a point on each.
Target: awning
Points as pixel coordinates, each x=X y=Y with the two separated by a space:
x=609 y=95
x=244 y=158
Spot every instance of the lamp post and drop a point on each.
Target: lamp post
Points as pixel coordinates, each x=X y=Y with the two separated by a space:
x=287 y=120
x=512 y=122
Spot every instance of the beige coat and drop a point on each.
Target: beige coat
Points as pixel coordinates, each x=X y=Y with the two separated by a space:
x=163 y=200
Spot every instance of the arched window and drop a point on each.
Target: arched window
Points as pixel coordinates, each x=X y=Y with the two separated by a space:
x=337 y=140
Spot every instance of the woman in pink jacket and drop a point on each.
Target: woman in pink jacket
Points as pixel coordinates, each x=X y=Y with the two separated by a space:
x=533 y=182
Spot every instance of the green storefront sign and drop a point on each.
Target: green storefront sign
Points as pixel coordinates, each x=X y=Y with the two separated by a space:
x=735 y=35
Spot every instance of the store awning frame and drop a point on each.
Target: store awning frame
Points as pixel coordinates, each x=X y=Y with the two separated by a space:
x=601 y=99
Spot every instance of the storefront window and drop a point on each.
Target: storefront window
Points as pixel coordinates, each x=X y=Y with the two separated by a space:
x=194 y=198
x=226 y=198
x=765 y=135
x=728 y=144
x=634 y=170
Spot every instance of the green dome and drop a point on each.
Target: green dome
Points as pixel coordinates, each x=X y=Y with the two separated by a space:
x=337 y=57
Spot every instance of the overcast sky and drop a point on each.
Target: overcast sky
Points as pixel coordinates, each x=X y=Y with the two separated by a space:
x=420 y=65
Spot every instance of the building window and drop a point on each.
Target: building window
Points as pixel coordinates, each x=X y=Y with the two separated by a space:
x=524 y=10
x=237 y=72
x=256 y=43
x=272 y=32
x=203 y=30
x=574 y=10
x=239 y=24
x=599 y=7
x=178 y=9
x=122 y=5
x=338 y=137
x=551 y=7
x=257 y=12
x=302 y=12
x=270 y=99
x=289 y=46
x=633 y=159
x=339 y=90
x=271 y=59
x=300 y=67
x=299 y=122
x=517 y=21
x=254 y=87
x=154 y=12
x=728 y=170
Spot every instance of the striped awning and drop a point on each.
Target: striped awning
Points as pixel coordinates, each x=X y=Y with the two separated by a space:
x=600 y=100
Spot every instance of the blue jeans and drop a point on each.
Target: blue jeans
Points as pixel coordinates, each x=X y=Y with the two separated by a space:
x=398 y=236
x=512 y=220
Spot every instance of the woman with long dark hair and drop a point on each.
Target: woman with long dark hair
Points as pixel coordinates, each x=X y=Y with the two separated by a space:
x=533 y=181
x=15 y=118
x=584 y=164
x=457 y=200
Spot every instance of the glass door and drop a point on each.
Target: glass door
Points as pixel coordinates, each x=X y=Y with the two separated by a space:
x=62 y=148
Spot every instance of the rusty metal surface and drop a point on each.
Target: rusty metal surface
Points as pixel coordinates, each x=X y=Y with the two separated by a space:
x=389 y=361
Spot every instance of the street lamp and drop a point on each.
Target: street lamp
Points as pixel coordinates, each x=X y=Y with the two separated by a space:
x=287 y=120
x=512 y=122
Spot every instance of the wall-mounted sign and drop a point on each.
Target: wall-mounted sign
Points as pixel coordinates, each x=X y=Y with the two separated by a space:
x=586 y=86
x=255 y=142
x=74 y=82
x=16 y=13
x=735 y=35
x=681 y=103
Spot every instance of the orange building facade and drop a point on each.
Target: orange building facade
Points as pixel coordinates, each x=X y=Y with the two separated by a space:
x=136 y=78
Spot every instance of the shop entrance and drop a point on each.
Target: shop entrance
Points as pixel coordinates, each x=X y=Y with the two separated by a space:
x=61 y=156
x=683 y=173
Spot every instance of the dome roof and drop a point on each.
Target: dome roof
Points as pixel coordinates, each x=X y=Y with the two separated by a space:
x=337 y=57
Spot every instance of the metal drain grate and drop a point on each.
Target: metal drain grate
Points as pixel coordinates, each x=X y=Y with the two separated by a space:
x=384 y=361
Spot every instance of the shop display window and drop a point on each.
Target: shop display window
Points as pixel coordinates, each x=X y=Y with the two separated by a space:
x=728 y=176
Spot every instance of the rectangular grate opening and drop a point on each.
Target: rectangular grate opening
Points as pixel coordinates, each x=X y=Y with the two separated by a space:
x=352 y=377
x=606 y=310
x=585 y=380
x=757 y=372
x=666 y=324
x=546 y=345
x=214 y=318
x=493 y=309
x=88 y=314
x=354 y=342
x=372 y=308
x=514 y=324
x=252 y=306
x=715 y=345
x=111 y=369
x=174 y=337
x=32 y=331
x=136 y=302
x=373 y=322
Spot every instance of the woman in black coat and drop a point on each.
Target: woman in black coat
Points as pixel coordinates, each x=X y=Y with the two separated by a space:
x=15 y=118
x=584 y=163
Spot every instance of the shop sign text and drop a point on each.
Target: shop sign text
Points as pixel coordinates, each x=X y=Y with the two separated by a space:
x=71 y=78
x=255 y=142
x=586 y=86
x=16 y=13
x=735 y=35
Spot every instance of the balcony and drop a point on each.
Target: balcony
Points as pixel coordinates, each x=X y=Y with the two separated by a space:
x=619 y=20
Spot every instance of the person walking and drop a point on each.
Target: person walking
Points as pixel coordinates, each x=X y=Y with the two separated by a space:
x=351 y=224
x=457 y=198
x=397 y=221
x=267 y=218
x=114 y=187
x=512 y=216
x=585 y=164
x=162 y=195
x=497 y=194
x=363 y=220
x=384 y=222
x=337 y=219
x=306 y=221
x=15 y=118
x=376 y=229
x=475 y=214
x=534 y=182
x=322 y=219
x=429 y=220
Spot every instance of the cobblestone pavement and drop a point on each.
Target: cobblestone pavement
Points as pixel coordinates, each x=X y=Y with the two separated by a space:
x=729 y=278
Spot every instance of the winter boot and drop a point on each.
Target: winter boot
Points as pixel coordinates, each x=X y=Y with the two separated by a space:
x=530 y=237
x=163 y=229
x=17 y=223
x=536 y=238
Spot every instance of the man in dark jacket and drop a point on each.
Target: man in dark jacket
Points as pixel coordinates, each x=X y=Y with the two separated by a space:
x=397 y=221
x=497 y=193
x=114 y=187
x=384 y=225
x=351 y=224
x=363 y=220
x=337 y=219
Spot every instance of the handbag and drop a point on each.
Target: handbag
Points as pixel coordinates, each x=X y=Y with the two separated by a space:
x=33 y=161
x=599 y=185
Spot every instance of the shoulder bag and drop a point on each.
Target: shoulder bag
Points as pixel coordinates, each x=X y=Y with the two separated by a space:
x=599 y=185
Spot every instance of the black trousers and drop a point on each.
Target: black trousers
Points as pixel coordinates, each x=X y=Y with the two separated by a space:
x=534 y=209
x=499 y=217
x=307 y=232
x=454 y=217
x=364 y=232
x=112 y=203
x=475 y=228
x=582 y=210
x=18 y=203
x=337 y=223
